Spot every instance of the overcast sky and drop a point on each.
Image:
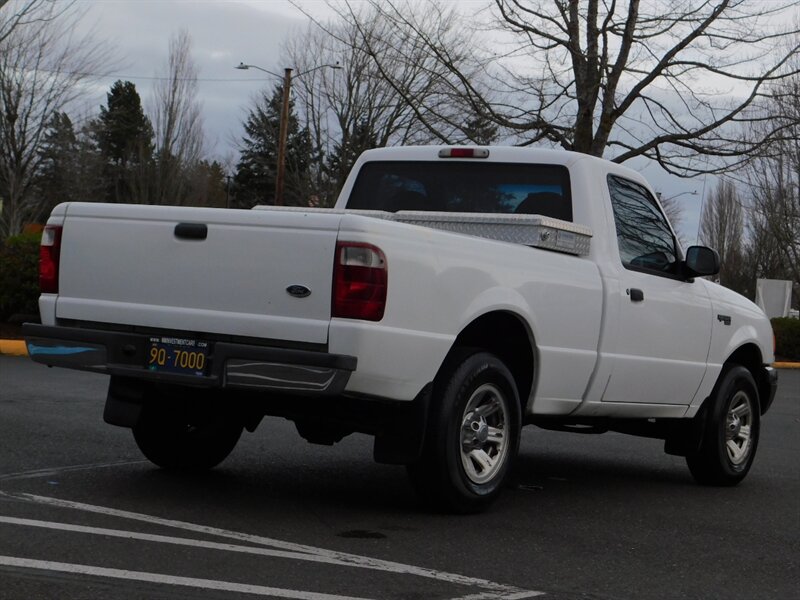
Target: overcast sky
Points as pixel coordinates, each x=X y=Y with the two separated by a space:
x=227 y=32
x=224 y=33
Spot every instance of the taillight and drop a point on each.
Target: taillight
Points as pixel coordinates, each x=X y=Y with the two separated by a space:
x=49 y=254
x=359 y=282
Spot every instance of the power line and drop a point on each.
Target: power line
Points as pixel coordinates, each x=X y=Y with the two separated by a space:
x=154 y=78
x=249 y=79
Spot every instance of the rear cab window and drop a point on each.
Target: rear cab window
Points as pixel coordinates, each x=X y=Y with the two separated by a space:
x=466 y=187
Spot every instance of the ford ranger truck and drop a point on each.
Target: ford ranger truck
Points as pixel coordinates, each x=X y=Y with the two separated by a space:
x=452 y=296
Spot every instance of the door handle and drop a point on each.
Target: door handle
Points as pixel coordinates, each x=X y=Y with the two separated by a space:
x=636 y=294
x=191 y=231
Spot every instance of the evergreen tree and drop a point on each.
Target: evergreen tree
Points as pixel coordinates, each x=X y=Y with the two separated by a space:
x=124 y=137
x=346 y=152
x=254 y=182
x=59 y=161
x=205 y=185
x=217 y=184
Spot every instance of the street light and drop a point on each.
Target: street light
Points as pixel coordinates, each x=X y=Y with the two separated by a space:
x=284 y=122
x=662 y=199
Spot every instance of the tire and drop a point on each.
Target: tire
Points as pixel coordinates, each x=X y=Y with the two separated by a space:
x=472 y=437
x=730 y=436
x=173 y=436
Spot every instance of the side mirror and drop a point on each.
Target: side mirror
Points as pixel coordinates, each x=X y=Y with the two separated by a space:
x=702 y=261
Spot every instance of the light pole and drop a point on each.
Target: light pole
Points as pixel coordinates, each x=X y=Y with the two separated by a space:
x=662 y=199
x=283 y=132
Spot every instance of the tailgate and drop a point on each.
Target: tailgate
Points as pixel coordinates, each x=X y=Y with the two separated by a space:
x=127 y=264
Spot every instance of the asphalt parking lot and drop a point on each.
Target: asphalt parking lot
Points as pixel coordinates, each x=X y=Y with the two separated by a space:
x=82 y=515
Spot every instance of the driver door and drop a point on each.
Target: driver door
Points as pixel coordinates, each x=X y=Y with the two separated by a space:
x=664 y=320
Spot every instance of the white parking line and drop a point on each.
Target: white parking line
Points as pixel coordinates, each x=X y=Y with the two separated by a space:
x=207 y=584
x=294 y=551
x=502 y=596
x=166 y=539
x=69 y=469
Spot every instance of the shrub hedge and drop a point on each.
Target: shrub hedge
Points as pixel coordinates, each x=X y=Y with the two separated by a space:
x=787 y=338
x=19 y=275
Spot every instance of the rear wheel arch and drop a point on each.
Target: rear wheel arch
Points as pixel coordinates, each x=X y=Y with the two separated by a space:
x=508 y=337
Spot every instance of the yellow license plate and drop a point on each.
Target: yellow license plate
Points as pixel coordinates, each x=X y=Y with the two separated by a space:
x=177 y=355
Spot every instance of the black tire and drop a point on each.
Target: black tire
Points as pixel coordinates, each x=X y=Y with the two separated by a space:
x=174 y=436
x=468 y=452
x=731 y=433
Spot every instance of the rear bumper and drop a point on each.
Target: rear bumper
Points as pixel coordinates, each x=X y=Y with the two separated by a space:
x=230 y=365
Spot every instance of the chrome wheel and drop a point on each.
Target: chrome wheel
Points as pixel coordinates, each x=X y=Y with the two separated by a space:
x=738 y=428
x=484 y=440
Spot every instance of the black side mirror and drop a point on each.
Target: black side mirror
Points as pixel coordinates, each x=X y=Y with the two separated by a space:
x=701 y=261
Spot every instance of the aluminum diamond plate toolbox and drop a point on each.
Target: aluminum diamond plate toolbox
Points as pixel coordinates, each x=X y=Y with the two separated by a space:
x=530 y=230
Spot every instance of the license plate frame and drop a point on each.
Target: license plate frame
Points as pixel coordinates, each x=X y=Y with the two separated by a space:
x=183 y=356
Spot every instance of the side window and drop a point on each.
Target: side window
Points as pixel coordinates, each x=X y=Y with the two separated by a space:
x=645 y=240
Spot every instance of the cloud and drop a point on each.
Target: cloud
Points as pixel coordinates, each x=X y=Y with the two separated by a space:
x=223 y=34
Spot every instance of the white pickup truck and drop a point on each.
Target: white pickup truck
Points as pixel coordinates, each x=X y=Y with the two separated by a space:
x=452 y=296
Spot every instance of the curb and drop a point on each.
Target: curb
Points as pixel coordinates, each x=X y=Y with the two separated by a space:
x=18 y=348
x=13 y=348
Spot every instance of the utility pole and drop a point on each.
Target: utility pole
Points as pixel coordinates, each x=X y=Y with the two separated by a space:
x=282 y=135
x=283 y=132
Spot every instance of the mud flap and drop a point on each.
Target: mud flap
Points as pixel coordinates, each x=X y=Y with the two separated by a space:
x=124 y=402
x=400 y=442
x=686 y=438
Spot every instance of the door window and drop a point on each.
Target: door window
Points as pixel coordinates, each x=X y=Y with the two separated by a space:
x=645 y=240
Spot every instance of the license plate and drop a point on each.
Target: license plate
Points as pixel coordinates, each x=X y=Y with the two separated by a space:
x=177 y=355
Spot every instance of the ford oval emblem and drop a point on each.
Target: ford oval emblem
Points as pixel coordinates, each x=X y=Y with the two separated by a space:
x=298 y=291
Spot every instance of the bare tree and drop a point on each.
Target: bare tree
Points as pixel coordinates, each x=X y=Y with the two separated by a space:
x=41 y=72
x=722 y=226
x=26 y=12
x=774 y=178
x=670 y=81
x=177 y=123
x=357 y=107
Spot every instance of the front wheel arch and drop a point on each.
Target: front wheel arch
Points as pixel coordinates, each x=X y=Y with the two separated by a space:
x=749 y=356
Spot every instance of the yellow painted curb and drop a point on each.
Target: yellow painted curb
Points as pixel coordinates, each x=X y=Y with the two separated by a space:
x=13 y=348
x=786 y=365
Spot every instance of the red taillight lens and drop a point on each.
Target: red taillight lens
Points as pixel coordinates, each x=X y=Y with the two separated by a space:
x=359 y=282
x=49 y=254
